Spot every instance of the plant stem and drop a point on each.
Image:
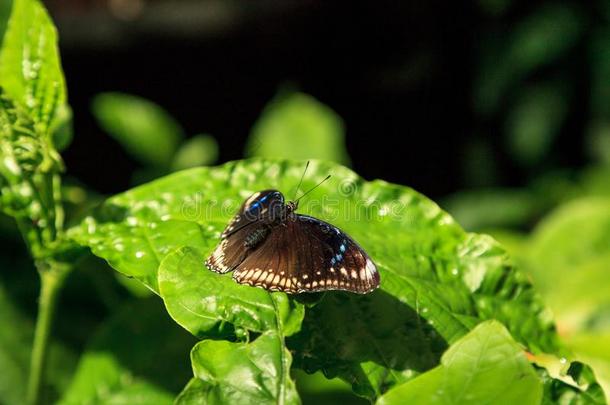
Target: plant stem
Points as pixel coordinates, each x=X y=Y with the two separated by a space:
x=51 y=280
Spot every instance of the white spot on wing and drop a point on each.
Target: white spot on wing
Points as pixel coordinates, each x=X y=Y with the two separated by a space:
x=370 y=268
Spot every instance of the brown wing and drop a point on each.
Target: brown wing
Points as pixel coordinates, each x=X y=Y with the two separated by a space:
x=230 y=252
x=305 y=254
x=253 y=213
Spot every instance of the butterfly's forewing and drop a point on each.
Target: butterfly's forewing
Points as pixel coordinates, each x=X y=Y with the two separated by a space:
x=253 y=215
x=256 y=208
x=305 y=254
x=230 y=252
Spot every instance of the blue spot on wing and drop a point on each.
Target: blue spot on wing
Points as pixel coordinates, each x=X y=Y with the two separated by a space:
x=257 y=203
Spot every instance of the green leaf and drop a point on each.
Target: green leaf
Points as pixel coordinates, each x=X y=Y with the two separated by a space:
x=123 y=363
x=534 y=121
x=200 y=150
x=592 y=347
x=432 y=272
x=369 y=350
x=570 y=248
x=30 y=68
x=62 y=132
x=484 y=367
x=482 y=208
x=564 y=382
x=317 y=389
x=207 y=304
x=142 y=127
x=297 y=126
x=29 y=182
x=244 y=373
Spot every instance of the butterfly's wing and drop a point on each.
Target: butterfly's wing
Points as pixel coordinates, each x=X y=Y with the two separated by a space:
x=251 y=218
x=257 y=207
x=305 y=254
x=230 y=252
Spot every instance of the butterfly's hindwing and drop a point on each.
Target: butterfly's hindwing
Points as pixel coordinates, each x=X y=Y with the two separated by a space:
x=304 y=254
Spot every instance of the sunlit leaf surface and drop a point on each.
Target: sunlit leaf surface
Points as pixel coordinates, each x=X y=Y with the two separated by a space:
x=484 y=367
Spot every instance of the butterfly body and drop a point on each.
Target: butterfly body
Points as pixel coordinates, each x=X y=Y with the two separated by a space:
x=267 y=244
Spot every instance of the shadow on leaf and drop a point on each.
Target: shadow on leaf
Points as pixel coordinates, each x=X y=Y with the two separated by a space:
x=372 y=341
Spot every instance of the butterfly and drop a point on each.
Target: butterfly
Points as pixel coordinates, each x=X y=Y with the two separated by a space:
x=267 y=244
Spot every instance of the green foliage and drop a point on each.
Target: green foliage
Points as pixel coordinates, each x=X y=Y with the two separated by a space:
x=477 y=209
x=118 y=365
x=263 y=367
x=15 y=341
x=317 y=389
x=573 y=241
x=200 y=150
x=296 y=126
x=5 y=12
x=32 y=95
x=568 y=256
x=535 y=41
x=484 y=367
x=151 y=135
x=230 y=309
x=438 y=282
x=143 y=128
x=181 y=284
x=534 y=122
x=30 y=68
x=440 y=285
x=32 y=98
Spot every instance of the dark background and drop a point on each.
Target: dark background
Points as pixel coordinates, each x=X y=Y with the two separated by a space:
x=401 y=74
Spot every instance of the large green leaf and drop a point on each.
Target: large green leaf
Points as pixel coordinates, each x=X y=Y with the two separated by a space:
x=435 y=278
x=123 y=363
x=484 y=367
x=570 y=253
x=144 y=128
x=297 y=126
x=30 y=68
x=207 y=304
x=244 y=373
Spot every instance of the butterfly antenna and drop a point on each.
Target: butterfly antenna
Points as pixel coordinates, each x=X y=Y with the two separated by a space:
x=301 y=181
x=312 y=189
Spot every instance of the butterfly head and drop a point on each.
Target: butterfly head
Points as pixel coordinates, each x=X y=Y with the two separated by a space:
x=292 y=206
